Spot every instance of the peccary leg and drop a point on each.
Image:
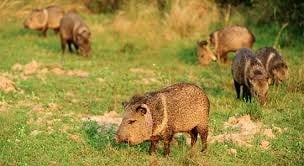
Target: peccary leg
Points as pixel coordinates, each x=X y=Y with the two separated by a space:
x=203 y=132
x=44 y=32
x=56 y=30
x=249 y=95
x=70 y=46
x=154 y=141
x=224 y=57
x=76 y=47
x=237 y=89
x=193 y=134
x=63 y=43
x=245 y=93
x=167 y=141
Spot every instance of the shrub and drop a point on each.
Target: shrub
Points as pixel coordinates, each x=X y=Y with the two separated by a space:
x=103 y=6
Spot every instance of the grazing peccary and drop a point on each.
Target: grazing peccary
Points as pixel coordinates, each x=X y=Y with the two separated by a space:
x=44 y=19
x=205 y=56
x=274 y=64
x=74 y=31
x=249 y=73
x=229 y=39
x=159 y=115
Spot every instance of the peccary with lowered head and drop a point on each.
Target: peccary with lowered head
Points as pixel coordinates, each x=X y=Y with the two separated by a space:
x=159 y=115
x=274 y=64
x=73 y=31
x=229 y=39
x=44 y=19
x=205 y=56
x=249 y=73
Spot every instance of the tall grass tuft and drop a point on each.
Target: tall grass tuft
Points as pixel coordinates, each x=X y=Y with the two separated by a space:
x=190 y=18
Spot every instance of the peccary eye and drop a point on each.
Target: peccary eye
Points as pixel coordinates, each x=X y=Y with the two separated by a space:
x=131 y=121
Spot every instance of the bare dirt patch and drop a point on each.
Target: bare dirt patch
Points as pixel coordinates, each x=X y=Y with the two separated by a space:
x=7 y=85
x=145 y=76
x=4 y=106
x=244 y=130
x=107 y=120
x=38 y=68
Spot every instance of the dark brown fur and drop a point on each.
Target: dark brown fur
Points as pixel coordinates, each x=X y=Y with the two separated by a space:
x=274 y=64
x=159 y=115
x=44 y=19
x=73 y=31
x=229 y=39
x=250 y=75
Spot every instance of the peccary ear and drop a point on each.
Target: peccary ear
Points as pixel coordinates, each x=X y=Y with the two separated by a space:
x=142 y=108
x=269 y=80
x=202 y=43
x=251 y=80
x=124 y=104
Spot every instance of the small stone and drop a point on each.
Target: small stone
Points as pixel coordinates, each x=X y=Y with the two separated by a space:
x=35 y=132
x=232 y=151
x=264 y=145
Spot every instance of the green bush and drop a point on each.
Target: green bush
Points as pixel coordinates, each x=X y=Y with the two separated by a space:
x=104 y=6
x=265 y=11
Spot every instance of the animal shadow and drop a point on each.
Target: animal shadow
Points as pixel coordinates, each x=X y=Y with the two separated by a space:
x=99 y=137
x=188 y=55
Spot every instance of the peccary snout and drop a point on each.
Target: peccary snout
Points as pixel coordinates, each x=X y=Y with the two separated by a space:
x=260 y=88
x=205 y=55
x=136 y=125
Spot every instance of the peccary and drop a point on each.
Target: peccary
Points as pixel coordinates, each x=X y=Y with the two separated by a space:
x=249 y=73
x=159 y=115
x=274 y=64
x=229 y=39
x=205 y=56
x=43 y=19
x=74 y=31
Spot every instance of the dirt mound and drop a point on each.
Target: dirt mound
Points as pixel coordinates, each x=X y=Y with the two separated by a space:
x=107 y=120
x=7 y=85
x=242 y=131
x=35 y=67
x=4 y=106
x=146 y=76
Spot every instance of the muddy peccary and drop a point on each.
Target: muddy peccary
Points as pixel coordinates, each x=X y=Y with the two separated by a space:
x=229 y=39
x=73 y=31
x=274 y=64
x=159 y=115
x=44 y=19
x=249 y=73
x=205 y=56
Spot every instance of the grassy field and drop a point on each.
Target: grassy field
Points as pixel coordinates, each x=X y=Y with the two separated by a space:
x=41 y=120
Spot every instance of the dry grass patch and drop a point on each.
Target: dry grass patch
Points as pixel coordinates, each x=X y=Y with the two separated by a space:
x=7 y=85
x=40 y=69
x=246 y=130
x=190 y=18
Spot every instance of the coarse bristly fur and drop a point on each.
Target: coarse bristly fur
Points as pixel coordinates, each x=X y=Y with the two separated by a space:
x=229 y=39
x=249 y=74
x=274 y=64
x=204 y=54
x=159 y=115
x=74 y=31
x=44 y=19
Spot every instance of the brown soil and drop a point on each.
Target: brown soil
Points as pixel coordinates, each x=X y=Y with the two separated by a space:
x=38 y=68
x=107 y=120
x=7 y=85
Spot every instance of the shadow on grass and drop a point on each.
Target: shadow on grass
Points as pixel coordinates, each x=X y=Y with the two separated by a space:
x=188 y=55
x=100 y=136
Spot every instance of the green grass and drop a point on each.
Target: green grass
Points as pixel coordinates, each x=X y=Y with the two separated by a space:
x=114 y=54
